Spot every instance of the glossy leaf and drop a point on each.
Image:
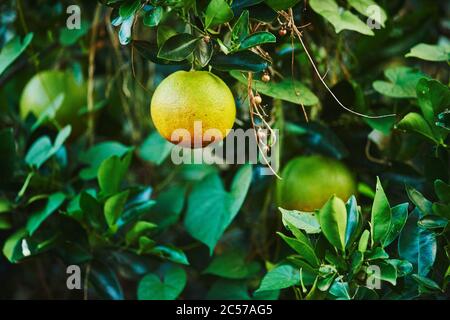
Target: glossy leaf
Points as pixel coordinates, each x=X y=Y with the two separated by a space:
x=402 y=82
x=232 y=265
x=36 y=219
x=381 y=215
x=211 y=209
x=217 y=12
x=240 y=61
x=333 y=221
x=168 y=287
x=429 y=52
x=339 y=18
x=287 y=90
x=178 y=47
x=302 y=220
x=283 y=276
x=417 y=245
x=398 y=220
x=12 y=50
x=256 y=39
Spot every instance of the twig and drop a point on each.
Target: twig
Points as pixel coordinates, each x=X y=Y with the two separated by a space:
x=290 y=18
x=91 y=70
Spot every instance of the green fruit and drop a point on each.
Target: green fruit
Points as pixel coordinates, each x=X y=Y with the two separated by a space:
x=309 y=181
x=42 y=90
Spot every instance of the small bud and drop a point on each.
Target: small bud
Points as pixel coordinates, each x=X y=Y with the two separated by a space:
x=257 y=99
x=265 y=77
x=207 y=39
x=282 y=32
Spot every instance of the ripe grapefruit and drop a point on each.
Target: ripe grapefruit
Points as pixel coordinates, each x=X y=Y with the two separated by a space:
x=186 y=99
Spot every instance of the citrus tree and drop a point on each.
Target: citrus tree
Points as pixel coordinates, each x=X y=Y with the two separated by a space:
x=349 y=97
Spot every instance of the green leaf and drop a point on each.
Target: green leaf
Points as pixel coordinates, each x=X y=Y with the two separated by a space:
x=203 y=53
x=169 y=287
x=402 y=82
x=111 y=173
x=280 y=277
x=232 y=265
x=363 y=6
x=417 y=245
x=433 y=100
x=12 y=50
x=257 y=39
x=92 y=211
x=387 y=273
x=68 y=37
x=105 y=282
x=168 y=207
x=398 y=220
x=339 y=18
x=353 y=220
x=302 y=220
x=140 y=228
x=381 y=215
x=427 y=283
x=442 y=190
x=43 y=149
x=429 y=52
x=363 y=241
x=281 y=4
x=95 y=155
x=149 y=51
x=414 y=122
x=340 y=290
x=12 y=244
x=433 y=222
x=178 y=47
x=153 y=17
x=125 y=30
x=39 y=152
x=217 y=12
x=333 y=221
x=113 y=208
x=302 y=248
x=287 y=90
x=240 y=61
x=424 y=205
x=241 y=28
x=36 y=219
x=155 y=149
x=170 y=253
x=211 y=209
x=376 y=253
x=129 y=8
x=403 y=267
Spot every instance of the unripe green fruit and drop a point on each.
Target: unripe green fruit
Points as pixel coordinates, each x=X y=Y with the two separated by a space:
x=309 y=181
x=42 y=90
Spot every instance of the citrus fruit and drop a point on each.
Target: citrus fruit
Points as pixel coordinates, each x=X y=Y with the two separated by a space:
x=309 y=181
x=193 y=102
x=43 y=90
